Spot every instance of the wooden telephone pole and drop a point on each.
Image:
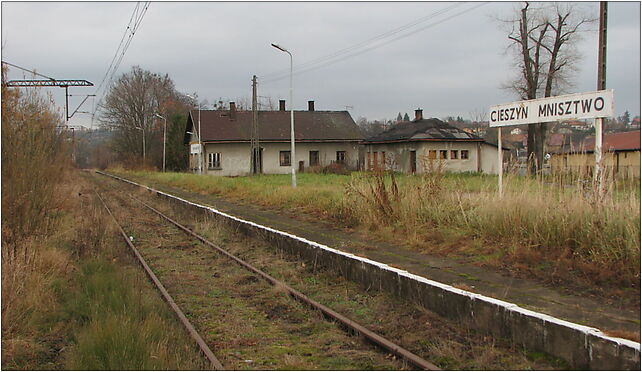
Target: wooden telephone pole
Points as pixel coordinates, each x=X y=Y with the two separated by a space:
x=255 y=161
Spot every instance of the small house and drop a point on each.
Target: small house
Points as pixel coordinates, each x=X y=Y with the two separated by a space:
x=420 y=145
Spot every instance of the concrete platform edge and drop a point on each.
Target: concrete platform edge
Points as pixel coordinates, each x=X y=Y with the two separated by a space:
x=583 y=347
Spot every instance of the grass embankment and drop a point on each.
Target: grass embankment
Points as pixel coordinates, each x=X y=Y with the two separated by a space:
x=75 y=299
x=538 y=229
x=67 y=302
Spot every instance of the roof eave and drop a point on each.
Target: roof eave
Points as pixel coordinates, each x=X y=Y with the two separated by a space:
x=366 y=142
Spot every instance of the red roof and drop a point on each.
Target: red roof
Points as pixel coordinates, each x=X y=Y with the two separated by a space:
x=622 y=141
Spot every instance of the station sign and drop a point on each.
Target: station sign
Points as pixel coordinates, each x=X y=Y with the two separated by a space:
x=589 y=105
x=195 y=148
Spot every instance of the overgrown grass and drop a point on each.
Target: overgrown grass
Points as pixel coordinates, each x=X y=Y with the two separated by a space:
x=554 y=229
x=75 y=299
x=122 y=326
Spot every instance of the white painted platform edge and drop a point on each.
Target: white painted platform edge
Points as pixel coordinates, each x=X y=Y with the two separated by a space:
x=475 y=296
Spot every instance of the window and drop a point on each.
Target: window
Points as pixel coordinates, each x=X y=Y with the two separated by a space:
x=214 y=160
x=341 y=157
x=443 y=154
x=432 y=154
x=464 y=154
x=284 y=158
x=314 y=158
x=454 y=154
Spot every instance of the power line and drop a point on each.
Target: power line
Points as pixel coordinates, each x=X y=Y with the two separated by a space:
x=132 y=28
x=24 y=69
x=356 y=53
x=117 y=50
x=137 y=17
x=366 y=42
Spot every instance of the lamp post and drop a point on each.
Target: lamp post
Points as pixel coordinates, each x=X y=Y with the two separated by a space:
x=200 y=143
x=164 y=136
x=292 y=154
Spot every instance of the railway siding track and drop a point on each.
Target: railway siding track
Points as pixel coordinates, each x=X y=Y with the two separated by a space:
x=353 y=326
x=207 y=352
x=581 y=346
x=404 y=357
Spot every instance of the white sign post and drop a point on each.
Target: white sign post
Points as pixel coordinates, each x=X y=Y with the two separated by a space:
x=591 y=105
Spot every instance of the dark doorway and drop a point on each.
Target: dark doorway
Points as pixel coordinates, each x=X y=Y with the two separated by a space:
x=413 y=162
x=314 y=158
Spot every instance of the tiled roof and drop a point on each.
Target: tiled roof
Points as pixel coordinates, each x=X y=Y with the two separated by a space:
x=622 y=141
x=274 y=126
x=422 y=130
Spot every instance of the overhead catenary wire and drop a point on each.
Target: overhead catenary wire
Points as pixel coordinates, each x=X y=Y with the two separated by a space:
x=27 y=70
x=356 y=53
x=122 y=39
x=135 y=21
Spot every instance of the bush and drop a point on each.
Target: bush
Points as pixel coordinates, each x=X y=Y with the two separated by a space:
x=35 y=158
x=332 y=168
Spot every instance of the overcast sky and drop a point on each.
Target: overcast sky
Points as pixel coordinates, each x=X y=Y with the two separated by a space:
x=453 y=61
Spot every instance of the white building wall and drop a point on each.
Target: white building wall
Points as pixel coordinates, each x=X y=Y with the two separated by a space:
x=235 y=157
x=398 y=156
x=489 y=159
x=482 y=157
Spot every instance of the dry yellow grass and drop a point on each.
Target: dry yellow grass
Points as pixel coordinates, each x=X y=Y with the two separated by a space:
x=553 y=228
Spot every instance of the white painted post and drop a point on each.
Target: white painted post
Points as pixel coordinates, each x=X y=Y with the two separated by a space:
x=598 y=176
x=500 y=161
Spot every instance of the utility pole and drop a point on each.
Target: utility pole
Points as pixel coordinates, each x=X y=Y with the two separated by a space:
x=598 y=176
x=254 y=140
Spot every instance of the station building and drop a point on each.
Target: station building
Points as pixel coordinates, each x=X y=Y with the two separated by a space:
x=321 y=138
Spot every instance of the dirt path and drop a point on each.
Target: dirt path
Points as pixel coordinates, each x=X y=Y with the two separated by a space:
x=582 y=309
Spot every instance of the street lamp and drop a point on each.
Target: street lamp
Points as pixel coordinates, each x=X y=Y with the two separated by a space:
x=200 y=143
x=292 y=154
x=164 y=136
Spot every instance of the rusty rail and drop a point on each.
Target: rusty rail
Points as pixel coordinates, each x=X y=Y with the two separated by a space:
x=181 y=316
x=376 y=339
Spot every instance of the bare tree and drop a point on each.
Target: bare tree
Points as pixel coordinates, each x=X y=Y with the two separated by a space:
x=129 y=111
x=543 y=41
x=478 y=121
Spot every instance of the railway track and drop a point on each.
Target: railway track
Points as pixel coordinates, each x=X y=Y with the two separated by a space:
x=352 y=326
x=417 y=336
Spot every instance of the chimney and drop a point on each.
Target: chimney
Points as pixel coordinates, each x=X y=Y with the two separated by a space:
x=232 y=110
x=419 y=114
x=281 y=105
x=310 y=105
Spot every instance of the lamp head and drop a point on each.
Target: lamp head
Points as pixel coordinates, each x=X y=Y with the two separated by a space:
x=279 y=47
